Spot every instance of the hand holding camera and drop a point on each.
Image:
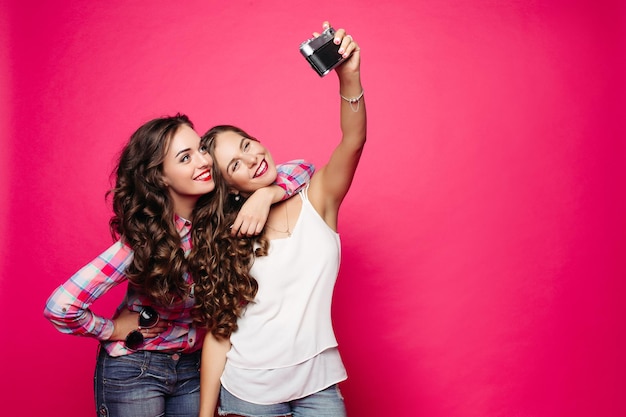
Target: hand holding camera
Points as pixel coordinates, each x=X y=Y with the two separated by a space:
x=331 y=49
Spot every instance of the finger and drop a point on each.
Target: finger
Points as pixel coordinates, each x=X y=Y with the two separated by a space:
x=325 y=25
x=154 y=331
x=259 y=228
x=238 y=221
x=149 y=334
x=343 y=40
x=162 y=326
x=241 y=232
x=245 y=226
x=350 y=48
x=339 y=35
x=248 y=230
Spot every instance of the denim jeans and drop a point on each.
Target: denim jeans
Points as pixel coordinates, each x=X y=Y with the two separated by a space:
x=325 y=403
x=147 y=384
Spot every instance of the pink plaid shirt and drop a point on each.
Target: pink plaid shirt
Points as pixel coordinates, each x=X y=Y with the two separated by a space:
x=68 y=307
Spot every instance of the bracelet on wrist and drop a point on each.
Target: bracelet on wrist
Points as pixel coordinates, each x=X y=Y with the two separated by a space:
x=353 y=100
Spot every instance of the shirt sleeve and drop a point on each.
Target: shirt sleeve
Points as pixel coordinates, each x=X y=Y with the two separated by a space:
x=293 y=176
x=68 y=307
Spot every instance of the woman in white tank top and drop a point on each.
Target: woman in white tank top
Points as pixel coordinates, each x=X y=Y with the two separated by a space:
x=283 y=358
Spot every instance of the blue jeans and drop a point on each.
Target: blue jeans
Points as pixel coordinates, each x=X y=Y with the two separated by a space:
x=147 y=384
x=325 y=403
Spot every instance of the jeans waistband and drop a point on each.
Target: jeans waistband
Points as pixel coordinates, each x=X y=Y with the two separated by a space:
x=176 y=355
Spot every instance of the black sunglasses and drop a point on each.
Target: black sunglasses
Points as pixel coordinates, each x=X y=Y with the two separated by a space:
x=148 y=317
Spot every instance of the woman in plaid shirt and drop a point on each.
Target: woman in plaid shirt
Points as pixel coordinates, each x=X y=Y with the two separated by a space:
x=149 y=352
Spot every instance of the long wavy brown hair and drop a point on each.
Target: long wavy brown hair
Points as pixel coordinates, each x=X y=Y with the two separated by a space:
x=144 y=212
x=220 y=263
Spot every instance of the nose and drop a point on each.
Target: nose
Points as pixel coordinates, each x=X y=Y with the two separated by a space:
x=249 y=159
x=205 y=160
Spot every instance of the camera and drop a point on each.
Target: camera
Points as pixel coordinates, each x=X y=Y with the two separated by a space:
x=321 y=52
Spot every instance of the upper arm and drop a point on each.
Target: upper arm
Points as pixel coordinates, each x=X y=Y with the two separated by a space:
x=332 y=182
x=337 y=175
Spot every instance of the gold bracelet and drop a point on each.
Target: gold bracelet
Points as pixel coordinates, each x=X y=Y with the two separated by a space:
x=353 y=100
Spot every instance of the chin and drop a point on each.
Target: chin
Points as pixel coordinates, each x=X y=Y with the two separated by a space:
x=258 y=183
x=208 y=188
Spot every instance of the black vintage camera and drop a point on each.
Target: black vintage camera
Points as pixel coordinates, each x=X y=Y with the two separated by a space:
x=321 y=52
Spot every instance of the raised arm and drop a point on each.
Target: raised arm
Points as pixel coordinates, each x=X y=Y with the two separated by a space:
x=332 y=182
x=292 y=176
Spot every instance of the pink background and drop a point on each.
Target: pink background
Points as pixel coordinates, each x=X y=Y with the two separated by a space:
x=483 y=238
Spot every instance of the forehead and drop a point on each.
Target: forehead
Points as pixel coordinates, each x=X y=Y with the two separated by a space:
x=227 y=145
x=185 y=137
x=227 y=138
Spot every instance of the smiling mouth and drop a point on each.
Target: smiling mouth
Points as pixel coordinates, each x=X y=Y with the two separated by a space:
x=261 y=169
x=205 y=176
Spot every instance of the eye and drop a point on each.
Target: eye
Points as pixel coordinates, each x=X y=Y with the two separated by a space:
x=234 y=166
x=246 y=146
x=203 y=149
x=184 y=158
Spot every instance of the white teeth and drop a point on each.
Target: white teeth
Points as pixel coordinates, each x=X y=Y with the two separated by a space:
x=203 y=176
x=261 y=169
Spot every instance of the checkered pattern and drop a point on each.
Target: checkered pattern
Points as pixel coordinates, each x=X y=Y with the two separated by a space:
x=68 y=308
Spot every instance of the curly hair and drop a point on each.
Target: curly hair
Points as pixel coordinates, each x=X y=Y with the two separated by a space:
x=144 y=212
x=220 y=263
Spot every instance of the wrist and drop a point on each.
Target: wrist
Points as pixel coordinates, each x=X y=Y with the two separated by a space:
x=350 y=90
x=353 y=101
x=266 y=194
x=278 y=193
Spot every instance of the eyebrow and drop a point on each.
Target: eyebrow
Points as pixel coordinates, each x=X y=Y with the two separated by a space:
x=182 y=151
x=243 y=139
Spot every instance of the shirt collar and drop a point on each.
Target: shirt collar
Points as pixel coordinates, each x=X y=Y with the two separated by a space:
x=182 y=225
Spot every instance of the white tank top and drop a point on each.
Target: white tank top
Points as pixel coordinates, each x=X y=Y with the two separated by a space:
x=285 y=347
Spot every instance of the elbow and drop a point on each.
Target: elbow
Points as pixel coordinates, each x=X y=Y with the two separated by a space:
x=59 y=315
x=55 y=315
x=362 y=144
x=50 y=311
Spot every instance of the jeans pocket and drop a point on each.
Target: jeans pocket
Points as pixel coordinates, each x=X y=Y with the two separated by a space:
x=123 y=369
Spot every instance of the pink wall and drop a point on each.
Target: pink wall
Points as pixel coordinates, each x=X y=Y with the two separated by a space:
x=483 y=238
